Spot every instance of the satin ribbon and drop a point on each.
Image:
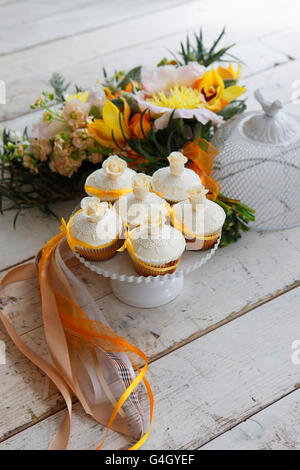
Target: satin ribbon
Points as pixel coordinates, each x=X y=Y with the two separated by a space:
x=181 y=227
x=71 y=322
x=202 y=155
x=74 y=242
x=127 y=245
x=100 y=193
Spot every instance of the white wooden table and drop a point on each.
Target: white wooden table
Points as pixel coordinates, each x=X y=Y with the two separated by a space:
x=221 y=353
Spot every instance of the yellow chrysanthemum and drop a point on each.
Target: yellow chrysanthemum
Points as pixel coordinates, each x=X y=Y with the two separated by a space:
x=178 y=97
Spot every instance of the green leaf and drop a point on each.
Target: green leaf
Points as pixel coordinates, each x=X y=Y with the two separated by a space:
x=232 y=109
x=95 y=112
x=134 y=74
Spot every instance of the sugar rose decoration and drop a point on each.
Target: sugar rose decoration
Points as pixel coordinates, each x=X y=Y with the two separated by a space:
x=197 y=195
x=114 y=166
x=141 y=181
x=140 y=186
x=93 y=209
x=177 y=161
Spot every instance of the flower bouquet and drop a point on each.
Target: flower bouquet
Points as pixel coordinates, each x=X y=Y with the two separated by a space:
x=141 y=115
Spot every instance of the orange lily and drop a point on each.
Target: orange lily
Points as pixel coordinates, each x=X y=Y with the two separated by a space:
x=135 y=126
x=104 y=129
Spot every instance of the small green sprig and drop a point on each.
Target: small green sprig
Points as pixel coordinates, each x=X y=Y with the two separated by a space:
x=59 y=86
x=197 y=52
x=238 y=216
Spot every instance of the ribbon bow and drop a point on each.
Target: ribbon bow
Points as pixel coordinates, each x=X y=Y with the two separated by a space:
x=202 y=155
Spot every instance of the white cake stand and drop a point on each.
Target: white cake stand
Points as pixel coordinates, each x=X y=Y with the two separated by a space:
x=151 y=291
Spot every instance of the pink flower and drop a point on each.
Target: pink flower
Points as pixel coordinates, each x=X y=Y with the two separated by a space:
x=41 y=148
x=75 y=113
x=170 y=89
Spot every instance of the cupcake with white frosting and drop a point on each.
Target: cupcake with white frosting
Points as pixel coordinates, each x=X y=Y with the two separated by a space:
x=134 y=207
x=95 y=230
x=155 y=247
x=112 y=181
x=199 y=219
x=173 y=182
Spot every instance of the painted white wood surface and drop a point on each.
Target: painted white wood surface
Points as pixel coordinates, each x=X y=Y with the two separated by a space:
x=253 y=271
x=275 y=428
x=233 y=283
x=211 y=384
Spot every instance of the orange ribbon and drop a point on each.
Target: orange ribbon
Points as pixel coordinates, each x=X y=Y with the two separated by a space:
x=64 y=320
x=100 y=193
x=202 y=155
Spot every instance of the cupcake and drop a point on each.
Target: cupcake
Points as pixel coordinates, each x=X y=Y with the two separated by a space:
x=134 y=207
x=174 y=181
x=199 y=219
x=155 y=248
x=95 y=230
x=113 y=180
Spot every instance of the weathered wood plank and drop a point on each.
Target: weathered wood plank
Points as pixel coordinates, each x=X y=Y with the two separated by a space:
x=275 y=428
x=232 y=283
x=51 y=21
x=216 y=381
x=95 y=49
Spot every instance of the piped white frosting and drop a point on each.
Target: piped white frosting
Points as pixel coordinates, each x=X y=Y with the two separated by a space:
x=157 y=243
x=97 y=224
x=173 y=182
x=134 y=207
x=202 y=217
x=113 y=175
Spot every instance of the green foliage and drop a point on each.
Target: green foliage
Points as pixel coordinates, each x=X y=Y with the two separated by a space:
x=59 y=86
x=197 y=52
x=121 y=79
x=232 y=109
x=238 y=216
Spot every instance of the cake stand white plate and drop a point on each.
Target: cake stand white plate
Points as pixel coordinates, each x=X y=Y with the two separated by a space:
x=151 y=291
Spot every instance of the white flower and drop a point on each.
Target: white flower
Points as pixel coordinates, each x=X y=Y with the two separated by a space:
x=114 y=166
x=170 y=89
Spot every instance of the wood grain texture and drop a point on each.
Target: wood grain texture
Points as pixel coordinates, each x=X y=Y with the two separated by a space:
x=95 y=49
x=211 y=384
x=275 y=428
x=231 y=284
x=52 y=21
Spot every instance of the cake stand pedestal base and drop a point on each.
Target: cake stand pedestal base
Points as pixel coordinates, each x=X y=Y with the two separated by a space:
x=147 y=294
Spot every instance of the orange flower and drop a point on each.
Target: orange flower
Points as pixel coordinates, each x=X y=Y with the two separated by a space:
x=129 y=86
x=135 y=126
x=136 y=159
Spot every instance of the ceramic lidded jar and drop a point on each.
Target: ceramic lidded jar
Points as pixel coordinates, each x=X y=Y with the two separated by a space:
x=112 y=181
x=134 y=207
x=259 y=163
x=173 y=182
